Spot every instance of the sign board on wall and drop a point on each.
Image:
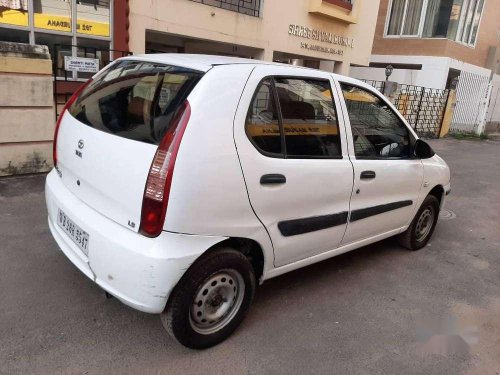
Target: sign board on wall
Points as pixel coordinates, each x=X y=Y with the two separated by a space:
x=81 y=64
x=61 y=23
x=14 y=17
x=53 y=22
x=333 y=43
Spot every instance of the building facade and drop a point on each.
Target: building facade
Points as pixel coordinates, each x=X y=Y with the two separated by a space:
x=37 y=39
x=324 y=34
x=431 y=42
x=78 y=28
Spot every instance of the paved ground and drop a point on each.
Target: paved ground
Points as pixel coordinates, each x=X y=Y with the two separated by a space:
x=377 y=310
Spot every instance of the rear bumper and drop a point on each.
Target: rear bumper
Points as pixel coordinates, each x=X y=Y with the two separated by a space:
x=139 y=271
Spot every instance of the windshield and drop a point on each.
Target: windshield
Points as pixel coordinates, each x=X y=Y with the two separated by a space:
x=135 y=99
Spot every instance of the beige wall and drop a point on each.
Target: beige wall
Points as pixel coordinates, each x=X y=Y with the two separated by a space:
x=267 y=33
x=487 y=37
x=26 y=109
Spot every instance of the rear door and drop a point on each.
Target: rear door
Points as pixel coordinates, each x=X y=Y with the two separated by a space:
x=108 y=137
x=387 y=179
x=294 y=159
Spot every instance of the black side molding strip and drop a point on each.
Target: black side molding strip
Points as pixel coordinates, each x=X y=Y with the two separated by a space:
x=363 y=213
x=311 y=224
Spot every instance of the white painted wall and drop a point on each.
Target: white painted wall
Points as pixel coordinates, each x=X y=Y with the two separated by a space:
x=434 y=71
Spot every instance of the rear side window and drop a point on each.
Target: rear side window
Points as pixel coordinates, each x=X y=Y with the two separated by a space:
x=309 y=118
x=294 y=118
x=262 y=125
x=135 y=99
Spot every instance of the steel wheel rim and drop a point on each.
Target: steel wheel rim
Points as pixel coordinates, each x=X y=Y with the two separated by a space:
x=217 y=301
x=424 y=224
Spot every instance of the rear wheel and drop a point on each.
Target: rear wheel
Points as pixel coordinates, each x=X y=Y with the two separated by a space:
x=211 y=299
x=420 y=230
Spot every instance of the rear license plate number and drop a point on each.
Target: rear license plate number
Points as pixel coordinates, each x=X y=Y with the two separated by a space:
x=77 y=234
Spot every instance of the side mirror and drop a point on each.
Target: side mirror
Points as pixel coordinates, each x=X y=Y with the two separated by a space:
x=423 y=150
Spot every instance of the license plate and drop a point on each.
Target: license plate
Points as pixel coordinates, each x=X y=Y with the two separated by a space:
x=77 y=234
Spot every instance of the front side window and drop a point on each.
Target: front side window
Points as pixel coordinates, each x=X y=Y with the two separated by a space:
x=135 y=99
x=378 y=133
x=294 y=118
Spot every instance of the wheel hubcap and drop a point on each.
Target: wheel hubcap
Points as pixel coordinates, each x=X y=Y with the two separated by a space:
x=217 y=301
x=424 y=224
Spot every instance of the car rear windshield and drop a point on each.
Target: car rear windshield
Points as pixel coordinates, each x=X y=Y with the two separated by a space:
x=135 y=99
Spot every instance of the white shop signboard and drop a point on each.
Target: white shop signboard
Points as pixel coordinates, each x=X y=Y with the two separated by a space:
x=81 y=64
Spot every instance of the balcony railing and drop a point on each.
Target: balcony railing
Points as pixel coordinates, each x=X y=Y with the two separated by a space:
x=347 y=4
x=249 y=7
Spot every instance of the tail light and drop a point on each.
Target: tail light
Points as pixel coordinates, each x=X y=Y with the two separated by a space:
x=68 y=104
x=157 y=191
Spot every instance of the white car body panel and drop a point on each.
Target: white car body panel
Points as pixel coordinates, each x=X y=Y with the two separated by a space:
x=436 y=172
x=397 y=181
x=315 y=186
x=215 y=193
x=139 y=271
x=111 y=173
x=208 y=194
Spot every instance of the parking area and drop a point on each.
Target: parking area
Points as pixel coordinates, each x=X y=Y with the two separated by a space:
x=377 y=310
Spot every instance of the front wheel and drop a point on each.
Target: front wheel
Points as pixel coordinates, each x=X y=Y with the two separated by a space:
x=421 y=228
x=211 y=299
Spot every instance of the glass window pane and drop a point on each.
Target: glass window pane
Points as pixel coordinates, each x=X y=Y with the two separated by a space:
x=93 y=49
x=93 y=17
x=15 y=15
x=438 y=19
x=135 y=100
x=431 y=18
x=396 y=17
x=475 y=24
x=309 y=118
x=59 y=46
x=412 y=17
x=377 y=131
x=456 y=10
x=52 y=14
x=16 y=36
x=262 y=125
x=468 y=22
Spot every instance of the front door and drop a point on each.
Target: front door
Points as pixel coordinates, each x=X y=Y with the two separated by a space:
x=387 y=179
x=294 y=160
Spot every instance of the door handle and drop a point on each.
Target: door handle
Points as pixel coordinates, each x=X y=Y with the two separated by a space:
x=367 y=175
x=272 y=179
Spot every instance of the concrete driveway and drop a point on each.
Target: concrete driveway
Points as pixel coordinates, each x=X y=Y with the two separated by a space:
x=377 y=310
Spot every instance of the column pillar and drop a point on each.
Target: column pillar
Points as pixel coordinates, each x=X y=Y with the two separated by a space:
x=327 y=66
x=342 y=68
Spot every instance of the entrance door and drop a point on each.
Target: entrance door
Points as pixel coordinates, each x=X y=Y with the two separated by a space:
x=294 y=160
x=387 y=180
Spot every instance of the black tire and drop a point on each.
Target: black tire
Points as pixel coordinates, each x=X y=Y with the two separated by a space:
x=412 y=238
x=178 y=319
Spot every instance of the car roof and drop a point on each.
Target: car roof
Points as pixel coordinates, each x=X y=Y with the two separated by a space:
x=197 y=62
x=204 y=63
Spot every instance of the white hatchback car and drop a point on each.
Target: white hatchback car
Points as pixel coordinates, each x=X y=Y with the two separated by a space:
x=181 y=181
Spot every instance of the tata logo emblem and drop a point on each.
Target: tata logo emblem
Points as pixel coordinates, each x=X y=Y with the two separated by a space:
x=80 y=146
